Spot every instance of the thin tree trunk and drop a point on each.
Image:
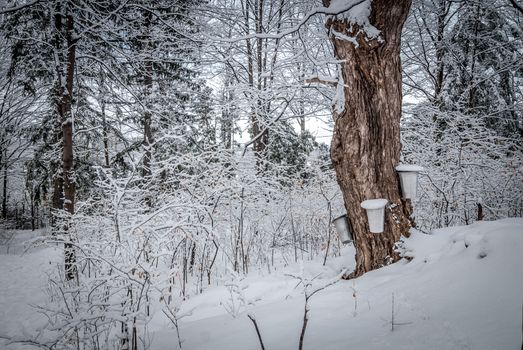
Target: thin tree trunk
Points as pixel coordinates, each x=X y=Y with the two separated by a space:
x=260 y=145
x=227 y=115
x=56 y=171
x=105 y=126
x=440 y=49
x=256 y=109
x=480 y=212
x=147 y=118
x=3 y=149
x=64 y=186
x=68 y=156
x=366 y=142
x=250 y=67
x=4 y=188
x=439 y=120
x=38 y=221
x=304 y=323
x=473 y=58
x=56 y=168
x=105 y=137
x=33 y=226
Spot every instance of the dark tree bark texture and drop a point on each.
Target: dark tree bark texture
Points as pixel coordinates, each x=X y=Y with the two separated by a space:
x=147 y=117
x=64 y=186
x=366 y=143
x=67 y=134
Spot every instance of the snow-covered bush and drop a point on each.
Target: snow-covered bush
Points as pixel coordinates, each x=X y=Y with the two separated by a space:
x=471 y=172
x=212 y=217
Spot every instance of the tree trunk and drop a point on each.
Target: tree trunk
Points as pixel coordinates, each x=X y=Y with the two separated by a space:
x=3 y=149
x=56 y=167
x=105 y=125
x=147 y=116
x=438 y=119
x=366 y=143
x=67 y=134
x=4 y=187
x=250 y=66
x=440 y=50
x=261 y=118
x=227 y=115
x=255 y=55
x=32 y=208
x=64 y=185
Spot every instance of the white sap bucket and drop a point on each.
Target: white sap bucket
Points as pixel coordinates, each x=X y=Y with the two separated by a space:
x=408 y=175
x=375 y=213
x=343 y=228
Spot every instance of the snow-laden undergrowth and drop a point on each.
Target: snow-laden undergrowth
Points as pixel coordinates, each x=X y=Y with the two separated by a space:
x=462 y=289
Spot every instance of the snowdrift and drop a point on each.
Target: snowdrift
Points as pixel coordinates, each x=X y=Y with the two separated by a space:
x=458 y=288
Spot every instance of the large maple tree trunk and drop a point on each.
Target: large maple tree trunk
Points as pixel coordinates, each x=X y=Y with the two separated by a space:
x=366 y=143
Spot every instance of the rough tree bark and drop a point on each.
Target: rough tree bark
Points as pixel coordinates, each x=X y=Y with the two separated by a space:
x=366 y=143
x=64 y=186
x=55 y=164
x=148 y=87
x=67 y=131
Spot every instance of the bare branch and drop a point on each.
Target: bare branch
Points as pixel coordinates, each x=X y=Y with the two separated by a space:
x=18 y=7
x=296 y=28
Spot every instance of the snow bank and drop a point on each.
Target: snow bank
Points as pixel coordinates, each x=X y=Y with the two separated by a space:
x=463 y=289
x=24 y=274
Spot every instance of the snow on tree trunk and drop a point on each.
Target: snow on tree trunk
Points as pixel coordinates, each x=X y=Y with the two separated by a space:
x=67 y=130
x=366 y=142
x=64 y=92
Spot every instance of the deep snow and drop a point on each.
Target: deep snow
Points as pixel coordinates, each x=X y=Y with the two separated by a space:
x=463 y=289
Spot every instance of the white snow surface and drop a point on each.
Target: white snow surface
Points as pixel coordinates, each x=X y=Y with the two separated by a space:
x=24 y=272
x=409 y=168
x=463 y=289
x=371 y=204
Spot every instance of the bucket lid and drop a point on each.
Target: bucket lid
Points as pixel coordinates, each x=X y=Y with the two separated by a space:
x=409 y=168
x=339 y=217
x=371 y=204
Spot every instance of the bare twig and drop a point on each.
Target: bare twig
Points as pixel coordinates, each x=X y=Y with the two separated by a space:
x=27 y=342
x=520 y=9
x=257 y=330
x=309 y=294
x=15 y=7
x=174 y=320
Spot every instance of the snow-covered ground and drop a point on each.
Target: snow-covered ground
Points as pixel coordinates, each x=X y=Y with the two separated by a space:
x=463 y=289
x=24 y=272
